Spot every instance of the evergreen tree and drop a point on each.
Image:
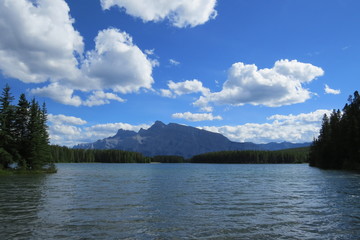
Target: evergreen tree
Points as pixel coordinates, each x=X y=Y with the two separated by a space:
x=23 y=133
x=21 y=130
x=37 y=139
x=8 y=153
x=338 y=145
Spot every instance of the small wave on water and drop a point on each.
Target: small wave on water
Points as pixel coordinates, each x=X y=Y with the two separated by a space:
x=181 y=201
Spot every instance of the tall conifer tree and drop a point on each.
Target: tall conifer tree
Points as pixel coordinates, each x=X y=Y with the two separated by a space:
x=21 y=130
x=338 y=145
x=7 y=151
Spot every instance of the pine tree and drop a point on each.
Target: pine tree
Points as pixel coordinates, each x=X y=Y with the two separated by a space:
x=8 y=153
x=351 y=128
x=338 y=145
x=21 y=130
x=37 y=139
x=45 y=140
x=23 y=133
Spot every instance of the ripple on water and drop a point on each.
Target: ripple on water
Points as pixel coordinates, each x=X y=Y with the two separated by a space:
x=181 y=201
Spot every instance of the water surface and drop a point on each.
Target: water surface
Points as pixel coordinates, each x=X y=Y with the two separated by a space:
x=181 y=201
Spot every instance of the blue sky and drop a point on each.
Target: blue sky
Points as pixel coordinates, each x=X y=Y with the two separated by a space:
x=256 y=70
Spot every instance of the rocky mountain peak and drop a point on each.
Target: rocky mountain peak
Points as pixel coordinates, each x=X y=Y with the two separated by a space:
x=175 y=139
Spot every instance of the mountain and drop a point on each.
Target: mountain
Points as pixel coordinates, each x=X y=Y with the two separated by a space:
x=176 y=139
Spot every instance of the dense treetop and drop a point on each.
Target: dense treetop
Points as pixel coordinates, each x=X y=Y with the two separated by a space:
x=298 y=155
x=24 y=139
x=338 y=144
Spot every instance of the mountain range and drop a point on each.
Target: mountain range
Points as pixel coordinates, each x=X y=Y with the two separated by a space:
x=176 y=139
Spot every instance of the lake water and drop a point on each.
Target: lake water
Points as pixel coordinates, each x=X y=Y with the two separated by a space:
x=181 y=201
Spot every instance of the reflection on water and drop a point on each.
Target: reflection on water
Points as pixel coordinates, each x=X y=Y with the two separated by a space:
x=181 y=201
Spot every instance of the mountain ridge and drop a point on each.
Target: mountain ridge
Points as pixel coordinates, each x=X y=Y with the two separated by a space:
x=177 y=139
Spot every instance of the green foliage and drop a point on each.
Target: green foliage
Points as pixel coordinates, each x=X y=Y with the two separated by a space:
x=64 y=154
x=7 y=118
x=298 y=155
x=24 y=139
x=5 y=158
x=338 y=144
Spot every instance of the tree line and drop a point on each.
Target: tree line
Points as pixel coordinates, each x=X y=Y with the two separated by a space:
x=168 y=159
x=61 y=154
x=338 y=144
x=24 y=139
x=299 y=155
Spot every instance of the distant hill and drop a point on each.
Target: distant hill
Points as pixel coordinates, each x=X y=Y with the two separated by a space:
x=176 y=139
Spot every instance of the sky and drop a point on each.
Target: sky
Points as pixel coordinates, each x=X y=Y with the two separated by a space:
x=253 y=70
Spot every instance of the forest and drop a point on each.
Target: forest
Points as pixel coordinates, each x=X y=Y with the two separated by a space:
x=168 y=159
x=24 y=140
x=338 y=144
x=61 y=154
x=297 y=155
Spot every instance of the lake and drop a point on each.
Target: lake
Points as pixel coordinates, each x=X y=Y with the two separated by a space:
x=181 y=201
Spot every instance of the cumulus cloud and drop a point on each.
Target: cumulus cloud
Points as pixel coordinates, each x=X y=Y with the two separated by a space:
x=69 y=130
x=62 y=119
x=58 y=93
x=39 y=44
x=166 y=93
x=281 y=85
x=196 y=117
x=293 y=128
x=186 y=87
x=116 y=63
x=180 y=13
x=64 y=130
x=101 y=98
x=329 y=90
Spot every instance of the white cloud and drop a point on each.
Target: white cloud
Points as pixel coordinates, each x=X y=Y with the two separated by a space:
x=166 y=93
x=281 y=85
x=38 y=44
x=150 y=51
x=207 y=109
x=116 y=63
x=196 y=117
x=109 y=129
x=101 y=98
x=186 y=87
x=66 y=96
x=293 y=128
x=64 y=130
x=181 y=13
x=69 y=130
x=174 y=62
x=328 y=90
x=58 y=93
x=61 y=119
